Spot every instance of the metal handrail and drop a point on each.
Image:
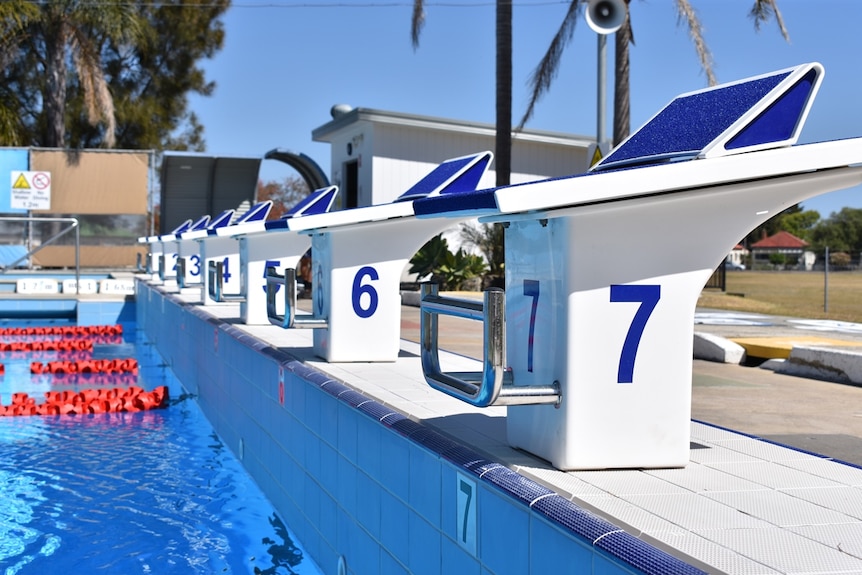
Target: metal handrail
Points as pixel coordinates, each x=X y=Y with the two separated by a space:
x=163 y=267
x=289 y=320
x=494 y=385
x=215 y=287
x=181 y=272
x=143 y=268
x=73 y=224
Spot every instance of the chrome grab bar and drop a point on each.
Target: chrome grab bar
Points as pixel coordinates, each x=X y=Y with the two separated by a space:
x=289 y=319
x=181 y=272
x=162 y=267
x=215 y=285
x=139 y=265
x=494 y=385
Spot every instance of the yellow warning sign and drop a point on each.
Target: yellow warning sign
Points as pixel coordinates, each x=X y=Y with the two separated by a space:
x=595 y=153
x=30 y=190
x=21 y=183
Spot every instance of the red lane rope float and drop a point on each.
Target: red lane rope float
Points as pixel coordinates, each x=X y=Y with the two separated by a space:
x=88 y=401
x=65 y=330
x=126 y=365
x=51 y=345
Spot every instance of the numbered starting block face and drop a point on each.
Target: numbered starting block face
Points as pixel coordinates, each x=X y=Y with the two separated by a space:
x=618 y=343
x=356 y=275
x=257 y=252
x=224 y=250
x=188 y=250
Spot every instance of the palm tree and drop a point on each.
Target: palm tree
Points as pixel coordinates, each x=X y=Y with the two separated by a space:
x=13 y=16
x=60 y=30
x=761 y=12
x=503 y=139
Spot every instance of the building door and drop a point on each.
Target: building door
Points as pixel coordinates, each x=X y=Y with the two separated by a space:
x=350 y=191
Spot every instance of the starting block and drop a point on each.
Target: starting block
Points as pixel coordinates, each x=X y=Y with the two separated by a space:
x=604 y=269
x=262 y=245
x=358 y=258
x=217 y=247
x=154 y=265
x=187 y=262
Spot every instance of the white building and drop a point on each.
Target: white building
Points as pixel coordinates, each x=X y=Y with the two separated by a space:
x=378 y=155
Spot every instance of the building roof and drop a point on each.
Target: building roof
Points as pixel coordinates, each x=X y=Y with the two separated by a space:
x=780 y=240
x=345 y=116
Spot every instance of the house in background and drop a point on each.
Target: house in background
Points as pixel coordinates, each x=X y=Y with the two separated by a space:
x=736 y=257
x=782 y=250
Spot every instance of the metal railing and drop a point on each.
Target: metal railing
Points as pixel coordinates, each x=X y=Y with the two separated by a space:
x=275 y=281
x=494 y=385
x=29 y=221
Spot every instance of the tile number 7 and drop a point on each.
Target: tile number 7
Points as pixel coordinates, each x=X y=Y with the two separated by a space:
x=648 y=296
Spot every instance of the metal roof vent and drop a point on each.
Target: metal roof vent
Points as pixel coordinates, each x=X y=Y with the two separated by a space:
x=339 y=110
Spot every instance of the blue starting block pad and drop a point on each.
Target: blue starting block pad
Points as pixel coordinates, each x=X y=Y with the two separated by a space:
x=590 y=346
x=358 y=258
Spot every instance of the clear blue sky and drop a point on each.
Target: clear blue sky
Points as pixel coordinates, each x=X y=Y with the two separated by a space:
x=285 y=63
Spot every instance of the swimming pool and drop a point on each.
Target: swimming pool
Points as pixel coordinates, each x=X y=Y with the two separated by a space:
x=146 y=492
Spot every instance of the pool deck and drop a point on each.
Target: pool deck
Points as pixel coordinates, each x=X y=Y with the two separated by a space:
x=744 y=505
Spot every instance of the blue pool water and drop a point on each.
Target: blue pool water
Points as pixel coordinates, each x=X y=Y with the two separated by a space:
x=147 y=492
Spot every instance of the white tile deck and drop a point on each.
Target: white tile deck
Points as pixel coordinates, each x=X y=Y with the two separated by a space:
x=742 y=505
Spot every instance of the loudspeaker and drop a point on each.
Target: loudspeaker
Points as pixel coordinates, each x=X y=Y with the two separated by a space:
x=605 y=16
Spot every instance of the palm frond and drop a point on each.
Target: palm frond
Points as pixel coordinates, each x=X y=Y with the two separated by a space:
x=685 y=13
x=763 y=10
x=417 y=22
x=544 y=74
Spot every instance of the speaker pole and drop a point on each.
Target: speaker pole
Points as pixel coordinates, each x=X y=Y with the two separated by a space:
x=601 y=81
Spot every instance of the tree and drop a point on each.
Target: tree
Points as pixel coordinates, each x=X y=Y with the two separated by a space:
x=503 y=95
x=762 y=11
x=284 y=194
x=793 y=219
x=130 y=68
x=840 y=232
x=67 y=31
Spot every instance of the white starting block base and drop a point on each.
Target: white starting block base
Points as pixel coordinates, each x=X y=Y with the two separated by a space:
x=256 y=253
x=601 y=299
x=224 y=250
x=356 y=280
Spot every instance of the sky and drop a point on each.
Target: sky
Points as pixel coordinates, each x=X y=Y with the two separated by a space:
x=285 y=63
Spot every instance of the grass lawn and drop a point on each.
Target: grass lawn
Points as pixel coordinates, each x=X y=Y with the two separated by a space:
x=796 y=294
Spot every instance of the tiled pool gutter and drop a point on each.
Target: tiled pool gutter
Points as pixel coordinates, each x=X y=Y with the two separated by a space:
x=355 y=479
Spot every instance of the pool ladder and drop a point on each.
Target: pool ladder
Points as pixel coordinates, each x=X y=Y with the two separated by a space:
x=494 y=385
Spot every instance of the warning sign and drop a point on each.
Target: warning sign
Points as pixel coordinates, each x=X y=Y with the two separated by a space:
x=31 y=190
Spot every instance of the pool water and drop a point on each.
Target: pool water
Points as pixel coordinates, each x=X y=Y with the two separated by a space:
x=145 y=492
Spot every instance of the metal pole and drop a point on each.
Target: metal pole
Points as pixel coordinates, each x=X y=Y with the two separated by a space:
x=77 y=259
x=826 y=281
x=601 y=81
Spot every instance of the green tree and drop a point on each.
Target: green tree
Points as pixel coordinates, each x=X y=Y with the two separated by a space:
x=123 y=80
x=488 y=239
x=794 y=220
x=840 y=232
x=762 y=11
x=64 y=38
